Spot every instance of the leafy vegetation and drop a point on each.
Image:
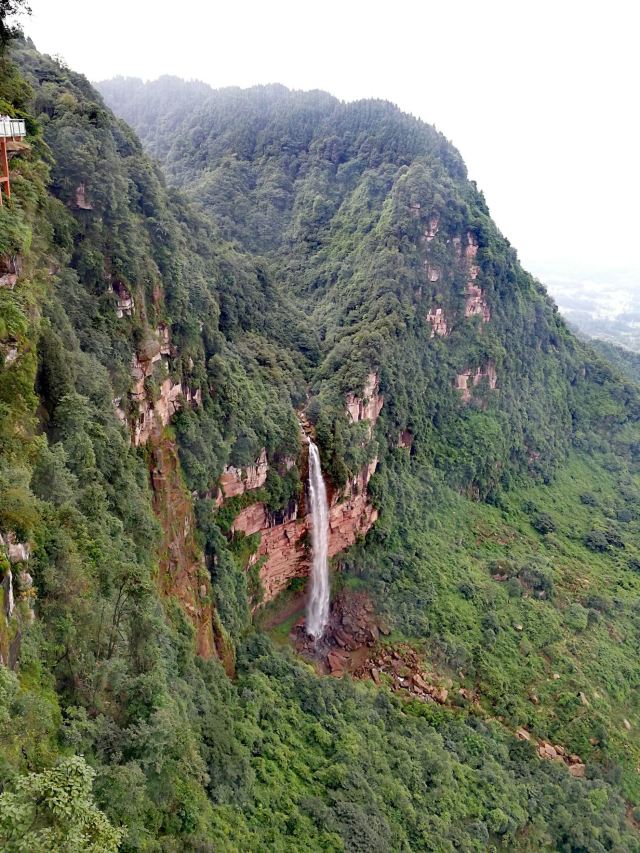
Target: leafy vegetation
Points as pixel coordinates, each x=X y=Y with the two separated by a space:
x=288 y=262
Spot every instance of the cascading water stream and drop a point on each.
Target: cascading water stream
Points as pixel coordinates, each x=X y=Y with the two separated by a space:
x=318 y=605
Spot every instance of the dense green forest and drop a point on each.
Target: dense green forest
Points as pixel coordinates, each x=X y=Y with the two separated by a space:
x=292 y=245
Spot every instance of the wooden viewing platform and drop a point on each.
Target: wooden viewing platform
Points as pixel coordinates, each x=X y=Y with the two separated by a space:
x=12 y=134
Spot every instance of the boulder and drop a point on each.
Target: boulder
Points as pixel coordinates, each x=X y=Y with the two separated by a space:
x=441 y=695
x=336 y=663
x=419 y=681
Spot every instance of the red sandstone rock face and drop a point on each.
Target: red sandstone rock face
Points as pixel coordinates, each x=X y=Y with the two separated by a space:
x=476 y=304
x=468 y=380
x=237 y=481
x=471 y=249
x=465 y=251
x=283 y=544
x=284 y=541
x=81 y=198
x=125 y=306
x=153 y=414
x=369 y=406
x=182 y=573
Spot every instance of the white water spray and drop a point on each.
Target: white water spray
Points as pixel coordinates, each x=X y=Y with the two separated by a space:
x=10 y=600
x=318 y=606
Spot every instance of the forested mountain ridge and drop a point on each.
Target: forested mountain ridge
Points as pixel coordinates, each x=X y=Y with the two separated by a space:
x=369 y=223
x=380 y=300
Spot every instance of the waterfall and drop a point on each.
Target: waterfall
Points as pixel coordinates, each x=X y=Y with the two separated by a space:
x=318 y=606
x=10 y=604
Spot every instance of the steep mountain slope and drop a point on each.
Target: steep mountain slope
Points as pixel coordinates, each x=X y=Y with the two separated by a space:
x=625 y=360
x=367 y=219
x=346 y=269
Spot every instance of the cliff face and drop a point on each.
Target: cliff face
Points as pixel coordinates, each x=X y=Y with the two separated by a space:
x=236 y=481
x=470 y=379
x=284 y=550
x=182 y=571
x=153 y=399
x=17 y=594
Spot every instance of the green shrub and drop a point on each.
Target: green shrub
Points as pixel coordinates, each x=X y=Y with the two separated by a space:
x=588 y=499
x=543 y=523
x=595 y=540
x=576 y=617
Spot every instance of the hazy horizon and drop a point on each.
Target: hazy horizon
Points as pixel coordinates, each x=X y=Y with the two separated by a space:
x=543 y=125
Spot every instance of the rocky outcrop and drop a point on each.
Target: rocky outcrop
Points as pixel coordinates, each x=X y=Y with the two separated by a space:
x=9 y=353
x=125 y=306
x=18 y=552
x=403 y=670
x=81 y=198
x=469 y=379
x=10 y=270
x=164 y=339
x=438 y=322
x=152 y=411
x=350 y=512
x=237 y=481
x=17 y=594
x=369 y=406
x=432 y=228
x=465 y=250
x=153 y=399
x=476 y=304
x=433 y=272
x=353 y=627
x=554 y=752
x=405 y=439
x=284 y=550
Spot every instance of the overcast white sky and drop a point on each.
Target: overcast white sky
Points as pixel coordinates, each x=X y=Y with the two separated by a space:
x=540 y=97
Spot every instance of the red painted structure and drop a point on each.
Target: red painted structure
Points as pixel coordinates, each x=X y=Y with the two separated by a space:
x=12 y=134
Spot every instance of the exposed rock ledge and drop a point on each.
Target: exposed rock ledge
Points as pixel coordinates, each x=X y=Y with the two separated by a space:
x=151 y=413
x=10 y=270
x=369 y=406
x=476 y=304
x=470 y=379
x=284 y=537
x=237 y=481
x=438 y=322
x=182 y=572
x=18 y=596
x=284 y=552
